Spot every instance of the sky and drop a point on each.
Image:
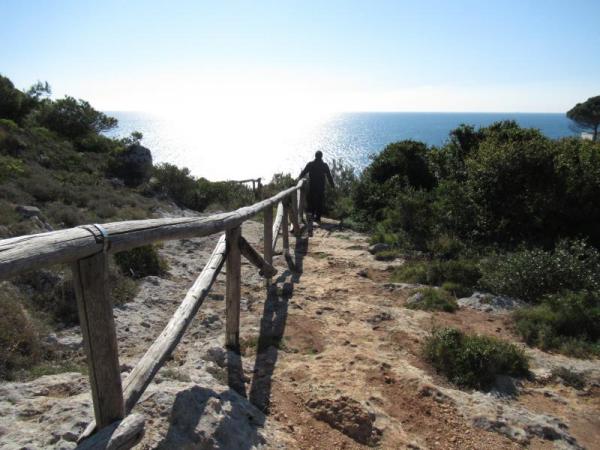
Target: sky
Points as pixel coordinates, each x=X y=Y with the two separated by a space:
x=215 y=58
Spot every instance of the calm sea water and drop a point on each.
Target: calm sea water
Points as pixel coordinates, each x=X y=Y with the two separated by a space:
x=220 y=148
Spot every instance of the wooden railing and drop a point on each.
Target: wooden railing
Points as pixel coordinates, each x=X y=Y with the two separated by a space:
x=256 y=185
x=87 y=248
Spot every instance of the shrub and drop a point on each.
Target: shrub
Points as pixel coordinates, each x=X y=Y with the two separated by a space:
x=141 y=262
x=457 y=289
x=529 y=274
x=400 y=166
x=19 y=342
x=445 y=246
x=64 y=216
x=567 y=322
x=570 y=378
x=42 y=186
x=473 y=361
x=122 y=288
x=434 y=300
x=10 y=168
x=411 y=272
x=338 y=201
x=52 y=293
x=464 y=272
x=102 y=208
x=96 y=143
x=461 y=271
x=180 y=186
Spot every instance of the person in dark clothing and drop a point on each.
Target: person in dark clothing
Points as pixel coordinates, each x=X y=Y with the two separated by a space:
x=317 y=171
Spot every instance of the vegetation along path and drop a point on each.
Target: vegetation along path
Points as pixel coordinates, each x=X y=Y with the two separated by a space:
x=330 y=357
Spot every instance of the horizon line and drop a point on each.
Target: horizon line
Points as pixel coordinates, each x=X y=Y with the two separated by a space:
x=378 y=112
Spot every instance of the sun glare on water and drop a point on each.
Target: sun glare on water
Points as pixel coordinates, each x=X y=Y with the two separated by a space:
x=233 y=133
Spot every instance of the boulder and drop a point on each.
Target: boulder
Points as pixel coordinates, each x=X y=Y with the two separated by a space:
x=490 y=303
x=28 y=212
x=379 y=247
x=134 y=165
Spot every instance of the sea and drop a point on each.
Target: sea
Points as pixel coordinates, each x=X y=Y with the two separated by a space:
x=234 y=147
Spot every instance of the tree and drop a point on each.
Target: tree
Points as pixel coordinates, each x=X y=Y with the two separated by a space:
x=11 y=100
x=74 y=119
x=586 y=116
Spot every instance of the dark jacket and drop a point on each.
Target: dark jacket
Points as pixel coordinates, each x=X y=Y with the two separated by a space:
x=317 y=170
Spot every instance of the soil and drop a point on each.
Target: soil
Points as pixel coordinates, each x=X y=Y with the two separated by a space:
x=330 y=359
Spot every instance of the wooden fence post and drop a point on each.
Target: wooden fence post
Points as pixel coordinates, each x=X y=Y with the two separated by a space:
x=268 y=238
x=233 y=288
x=300 y=206
x=99 y=337
x=293 y=210
x=285 y=232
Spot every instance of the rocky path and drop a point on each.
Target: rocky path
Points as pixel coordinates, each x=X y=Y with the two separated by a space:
x=330 y=359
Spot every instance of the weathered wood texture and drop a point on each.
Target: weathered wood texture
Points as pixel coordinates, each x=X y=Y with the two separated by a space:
x=233 y=288
x=268 y=237
x=285 y=230
x=293 y=214
x=120 y=435
x=99 y=337
x=277 y=225
x=265 y=269
x=301 y=193
x=30 y=252
x=163 y=346
x=145 y=370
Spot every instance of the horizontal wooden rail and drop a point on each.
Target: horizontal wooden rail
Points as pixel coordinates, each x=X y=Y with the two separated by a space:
x=87 y=248
x=34 y=251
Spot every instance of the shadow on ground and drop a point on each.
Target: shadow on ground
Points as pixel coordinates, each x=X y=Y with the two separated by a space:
x=272 y=328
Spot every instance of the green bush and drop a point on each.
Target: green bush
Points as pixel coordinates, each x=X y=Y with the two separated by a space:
x=568 y=322
x=411 y=272
x=499 y=185
x=400 y=166
x=122 y=288
x=444 y=246
x=63 y=216
x=338 y=201
x=434 y=300
x=20 y=345
x=141 y=262
x=457 y=289
x=463 y=272
x=96 y=143
x=473 y=361
x=190 y=192
x=570 y=378
x=10 y=168
x=529 y=274
x=51 y=293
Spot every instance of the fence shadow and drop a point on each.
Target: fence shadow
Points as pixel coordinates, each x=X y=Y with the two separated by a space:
x=272 y=328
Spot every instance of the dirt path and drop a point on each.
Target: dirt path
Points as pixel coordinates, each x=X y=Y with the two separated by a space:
x=347 y=372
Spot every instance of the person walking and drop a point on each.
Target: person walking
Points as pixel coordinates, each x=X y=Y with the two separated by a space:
x=317 y=171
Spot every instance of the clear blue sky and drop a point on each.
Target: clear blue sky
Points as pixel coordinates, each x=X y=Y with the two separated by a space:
x=454 y=55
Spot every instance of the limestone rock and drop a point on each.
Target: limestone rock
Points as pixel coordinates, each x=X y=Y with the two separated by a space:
x=379 y=247
x=490 y=303
x=348 y=416
x=28 y=211
x=134 y=165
